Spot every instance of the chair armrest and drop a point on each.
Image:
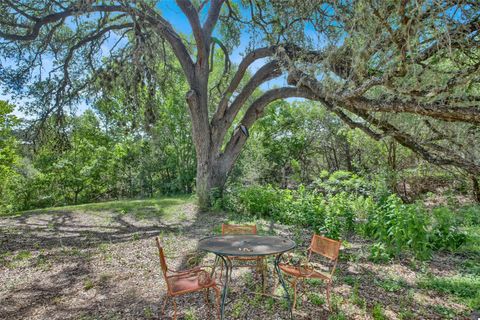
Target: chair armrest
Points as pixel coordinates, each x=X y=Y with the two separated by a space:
x=185 y=272
x=293 y=259
x=203 y=277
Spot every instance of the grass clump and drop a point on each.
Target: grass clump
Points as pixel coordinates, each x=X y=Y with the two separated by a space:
x=378 y=313
x=465 y=288
x=88 y=284
x=391 y=285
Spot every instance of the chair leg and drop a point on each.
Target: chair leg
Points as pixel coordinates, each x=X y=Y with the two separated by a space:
x=263 y=262
x=174 y=309
x=207 y=300
x=294 y=294
x=221 y=270
x=217 y=301
x=214 y=267
x=162 y=312
x=328 y=298
x=263 y=281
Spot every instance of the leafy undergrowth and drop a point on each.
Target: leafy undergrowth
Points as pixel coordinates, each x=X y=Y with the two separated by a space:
x=99 y=261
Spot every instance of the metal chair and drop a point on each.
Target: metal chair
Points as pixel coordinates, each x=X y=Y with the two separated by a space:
x=186 y=281
x=324 y=247
x=231 y=229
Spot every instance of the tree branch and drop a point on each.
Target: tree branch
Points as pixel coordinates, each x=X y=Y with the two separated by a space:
x=435 y=110
x=255 y=111
x=410 y=142
x=237 y=78
x=213 y=15
x=192 y=15
x=54 y=17
x=269 y=71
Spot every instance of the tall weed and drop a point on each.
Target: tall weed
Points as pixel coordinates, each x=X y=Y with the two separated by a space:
x=395 y=226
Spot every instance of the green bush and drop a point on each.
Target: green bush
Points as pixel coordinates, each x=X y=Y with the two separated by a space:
x=445 y=232
x=400 y=227
x=341 y=181
x=469 y=215
x=395 y=226
x=342 y=212
x=378 y=253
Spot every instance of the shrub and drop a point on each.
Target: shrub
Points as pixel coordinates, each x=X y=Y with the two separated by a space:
x=395 y=226
x=378 y=253
x=399 y=227
x=341 y=213
x=445 y=232
x=469 y=216
x=341 y=181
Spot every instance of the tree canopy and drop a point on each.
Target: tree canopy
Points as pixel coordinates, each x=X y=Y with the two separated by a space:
x=404 y=69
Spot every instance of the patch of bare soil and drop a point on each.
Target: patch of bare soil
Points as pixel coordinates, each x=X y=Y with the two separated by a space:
x=104 y=265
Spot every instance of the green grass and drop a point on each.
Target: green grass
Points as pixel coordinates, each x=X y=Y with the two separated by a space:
x=447 y=313
x=350 y=280
x=355 y=297
x=190 y=314
x=316 y=299
x=378 y=313
x=391 y=285
x=238 y=308
x=88 y=284
x=466 y=289
x=166 y=207
x=23 y=255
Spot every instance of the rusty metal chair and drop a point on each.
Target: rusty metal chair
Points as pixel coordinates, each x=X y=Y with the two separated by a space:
x=232 y=229
x=324 y=247
x=186 y=281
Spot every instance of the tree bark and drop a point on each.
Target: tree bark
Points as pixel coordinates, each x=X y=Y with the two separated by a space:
x=211 y=179
x=348 y=157
x=476 y=189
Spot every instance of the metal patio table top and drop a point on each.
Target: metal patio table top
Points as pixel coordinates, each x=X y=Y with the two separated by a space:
x=228 y=246
x=246 y=245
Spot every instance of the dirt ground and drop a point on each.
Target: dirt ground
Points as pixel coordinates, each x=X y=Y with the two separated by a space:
x=101 y=263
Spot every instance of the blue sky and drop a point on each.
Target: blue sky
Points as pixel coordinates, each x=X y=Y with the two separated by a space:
x=173 y=14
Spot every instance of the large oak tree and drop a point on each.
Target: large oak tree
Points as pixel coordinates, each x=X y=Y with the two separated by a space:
x=405 y=69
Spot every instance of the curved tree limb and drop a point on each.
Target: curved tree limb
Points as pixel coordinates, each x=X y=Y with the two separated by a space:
x=254 y=112
x=239 y=74
x=435 y=110
x=411 y=143
x=192 y=15
x=40 y=22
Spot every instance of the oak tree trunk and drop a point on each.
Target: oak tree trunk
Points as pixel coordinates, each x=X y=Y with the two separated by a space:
x=476 y=189
x=211 y=179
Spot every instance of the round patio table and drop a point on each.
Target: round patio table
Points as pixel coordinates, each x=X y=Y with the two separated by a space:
x=247 y=246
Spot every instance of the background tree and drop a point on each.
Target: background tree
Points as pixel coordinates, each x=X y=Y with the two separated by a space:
x=9 y=157
x=404 y=69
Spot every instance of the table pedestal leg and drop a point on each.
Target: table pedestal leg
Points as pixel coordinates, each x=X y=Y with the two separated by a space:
x=228 y=269
x=284 y=285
